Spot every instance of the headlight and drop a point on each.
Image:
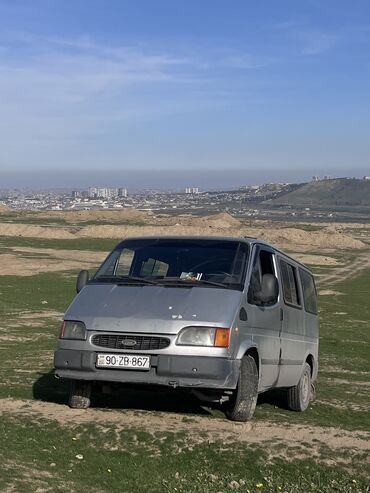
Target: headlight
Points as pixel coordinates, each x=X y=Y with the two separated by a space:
x=204 y=336
x=73 y=330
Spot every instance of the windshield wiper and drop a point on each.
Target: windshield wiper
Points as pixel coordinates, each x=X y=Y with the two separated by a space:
x=122 y=280
x=189 y=283
x=213 y=283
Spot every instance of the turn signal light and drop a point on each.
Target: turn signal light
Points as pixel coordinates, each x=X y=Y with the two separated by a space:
x=222 y=338
x=62 y=328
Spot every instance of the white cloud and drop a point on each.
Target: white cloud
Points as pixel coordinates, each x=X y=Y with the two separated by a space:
x=315 y=42
x=53 y=90
x=307 y=41
x=45 y=81
x=76 y=76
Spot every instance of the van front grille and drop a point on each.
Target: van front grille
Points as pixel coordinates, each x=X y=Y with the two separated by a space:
x=130 y=341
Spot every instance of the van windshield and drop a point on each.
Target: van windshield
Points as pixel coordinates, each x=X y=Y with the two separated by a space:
x=177 y=262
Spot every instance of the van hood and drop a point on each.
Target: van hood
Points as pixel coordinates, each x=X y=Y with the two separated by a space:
x=158 y=309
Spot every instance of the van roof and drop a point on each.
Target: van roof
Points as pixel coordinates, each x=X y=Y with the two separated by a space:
x=245 y=239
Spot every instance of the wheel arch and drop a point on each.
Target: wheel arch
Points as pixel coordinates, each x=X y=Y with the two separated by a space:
x=246 y=347
x=252 y=351
x=312 y=361
x=250 y=348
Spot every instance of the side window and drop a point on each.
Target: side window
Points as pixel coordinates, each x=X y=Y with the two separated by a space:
x=290 y=284
x=309 y=291
x=153 y=267
x=124 y=262
x=263 y=264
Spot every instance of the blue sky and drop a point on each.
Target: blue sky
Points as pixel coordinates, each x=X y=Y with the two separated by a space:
x=269 y=88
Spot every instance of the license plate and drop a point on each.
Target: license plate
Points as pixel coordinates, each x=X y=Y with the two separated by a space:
x=128 y=361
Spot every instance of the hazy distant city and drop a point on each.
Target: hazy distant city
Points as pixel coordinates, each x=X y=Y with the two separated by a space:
x=254 y=201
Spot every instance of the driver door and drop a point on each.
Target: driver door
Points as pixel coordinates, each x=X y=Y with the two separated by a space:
x=264 y=320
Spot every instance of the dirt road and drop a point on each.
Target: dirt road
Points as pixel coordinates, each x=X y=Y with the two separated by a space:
x=352 y=269
x=203 y=428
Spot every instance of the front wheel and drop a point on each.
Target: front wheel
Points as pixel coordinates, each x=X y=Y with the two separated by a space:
x=243 y=402
x=79 y=394
x=299 y=396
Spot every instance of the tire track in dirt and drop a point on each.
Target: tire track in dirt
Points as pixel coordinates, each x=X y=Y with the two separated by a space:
x=348 y=271
x=205 y=429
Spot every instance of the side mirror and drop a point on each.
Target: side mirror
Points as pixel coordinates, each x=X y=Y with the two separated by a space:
x=82 y=279
x=269 y=290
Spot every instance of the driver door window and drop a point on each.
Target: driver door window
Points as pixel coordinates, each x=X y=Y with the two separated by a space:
x=263 y=264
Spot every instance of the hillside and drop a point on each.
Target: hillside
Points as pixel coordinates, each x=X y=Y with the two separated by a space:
x=336 y=192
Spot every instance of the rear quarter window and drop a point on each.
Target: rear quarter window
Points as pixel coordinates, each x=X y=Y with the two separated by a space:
x=309 y=291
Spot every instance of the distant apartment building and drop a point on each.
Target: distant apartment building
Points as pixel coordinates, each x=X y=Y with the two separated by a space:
x=366 y=177
x=191 y=190
x=92 y=192
x=106 y=193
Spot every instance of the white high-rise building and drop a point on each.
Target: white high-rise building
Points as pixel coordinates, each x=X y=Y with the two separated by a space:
x=93 y=192
x=103 y=193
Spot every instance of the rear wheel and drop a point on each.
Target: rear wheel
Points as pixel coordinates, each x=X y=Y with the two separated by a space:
x=79 y=394
x=242 y=403
x=299 y=396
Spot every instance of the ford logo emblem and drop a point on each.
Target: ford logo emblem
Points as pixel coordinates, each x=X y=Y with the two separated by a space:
x=128 y=342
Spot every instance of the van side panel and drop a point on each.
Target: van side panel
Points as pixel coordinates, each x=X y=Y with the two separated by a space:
x=299 y=331
x=264 y=326
x=294 y=345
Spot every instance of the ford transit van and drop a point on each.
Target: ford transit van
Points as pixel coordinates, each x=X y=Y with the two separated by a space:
x=225 y=318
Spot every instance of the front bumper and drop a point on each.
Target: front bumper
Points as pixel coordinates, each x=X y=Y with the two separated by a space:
x=168 y=370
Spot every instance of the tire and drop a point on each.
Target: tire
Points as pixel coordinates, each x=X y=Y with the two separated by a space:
x=79 y=394
x=243 y=402
x=299 y=396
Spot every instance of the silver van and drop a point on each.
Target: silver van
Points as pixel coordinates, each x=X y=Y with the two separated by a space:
x=225 y=318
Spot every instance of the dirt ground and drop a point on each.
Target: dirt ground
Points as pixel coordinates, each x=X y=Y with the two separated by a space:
x=28 y=261
x=316 y=259
x=282 y=235
x=19 y=263
x=205 y=429
x=361 y=262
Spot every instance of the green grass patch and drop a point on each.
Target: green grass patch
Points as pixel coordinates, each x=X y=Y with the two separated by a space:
x=49 y=291
x=94 y=244
x=41 y=454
